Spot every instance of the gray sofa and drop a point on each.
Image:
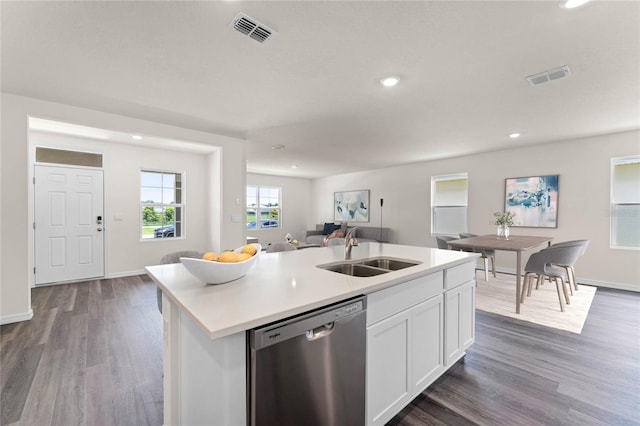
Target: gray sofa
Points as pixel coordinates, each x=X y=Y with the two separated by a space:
x=363 y=234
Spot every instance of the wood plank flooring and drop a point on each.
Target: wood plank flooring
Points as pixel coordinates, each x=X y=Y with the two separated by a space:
x=92 y=355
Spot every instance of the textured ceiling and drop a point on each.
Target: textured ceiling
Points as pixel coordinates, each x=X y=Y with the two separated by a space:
x=314 y=86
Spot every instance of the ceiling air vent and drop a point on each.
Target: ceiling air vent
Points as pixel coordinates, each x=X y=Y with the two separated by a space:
x=252 y=28
x=552 y=74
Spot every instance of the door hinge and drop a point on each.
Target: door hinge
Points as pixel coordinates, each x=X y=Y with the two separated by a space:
x=34 y=225
x=34 y=270
x=34 y=180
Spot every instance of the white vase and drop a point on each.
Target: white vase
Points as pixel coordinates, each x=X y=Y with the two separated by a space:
x=503 y=232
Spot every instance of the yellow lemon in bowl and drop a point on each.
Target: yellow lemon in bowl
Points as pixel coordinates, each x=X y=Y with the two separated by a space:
x=244 y=256
x=228 y=257
x=249 y=249
x=210 y=256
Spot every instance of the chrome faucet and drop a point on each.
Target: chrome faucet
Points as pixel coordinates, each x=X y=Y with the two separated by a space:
x=349 y=242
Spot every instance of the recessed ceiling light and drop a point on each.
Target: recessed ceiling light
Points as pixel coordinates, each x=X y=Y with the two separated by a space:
x=572 y=4
x=137 y=137
x=294 y=166
x=514 y=135
x=389 y=81
x=279 y=147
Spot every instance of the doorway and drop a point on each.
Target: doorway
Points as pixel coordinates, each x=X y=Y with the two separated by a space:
x=69 y=224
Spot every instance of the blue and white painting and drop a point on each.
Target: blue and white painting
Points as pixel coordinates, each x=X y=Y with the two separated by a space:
x=533 y=200
x=351 y=206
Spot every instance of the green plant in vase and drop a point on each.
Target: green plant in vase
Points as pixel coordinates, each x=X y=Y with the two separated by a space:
x=503 y=220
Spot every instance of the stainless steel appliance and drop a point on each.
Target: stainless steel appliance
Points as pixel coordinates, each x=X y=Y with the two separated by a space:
x=310 y=369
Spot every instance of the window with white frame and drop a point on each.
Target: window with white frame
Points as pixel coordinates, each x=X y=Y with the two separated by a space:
x=625 y=202
x=449 y=204
x=263 y=207
x=161 y=204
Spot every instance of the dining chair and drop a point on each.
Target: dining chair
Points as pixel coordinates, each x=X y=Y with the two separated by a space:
x=485 y=255
x=581 y=247
x=276 y=247
x=442 y=241
x=543 y=264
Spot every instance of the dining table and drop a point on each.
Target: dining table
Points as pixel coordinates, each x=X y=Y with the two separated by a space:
x=516 y=243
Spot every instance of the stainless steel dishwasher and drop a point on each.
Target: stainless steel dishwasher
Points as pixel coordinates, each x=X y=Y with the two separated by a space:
x=310 y=369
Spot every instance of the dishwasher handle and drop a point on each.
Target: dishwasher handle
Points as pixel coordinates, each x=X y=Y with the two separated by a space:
x=320 y=332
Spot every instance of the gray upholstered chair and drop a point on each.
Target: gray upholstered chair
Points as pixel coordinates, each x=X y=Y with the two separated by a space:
x=276 y=247
x=543 y=264
x=442 y=241
x=485 y=255
x=174 y=257
x=581 y=246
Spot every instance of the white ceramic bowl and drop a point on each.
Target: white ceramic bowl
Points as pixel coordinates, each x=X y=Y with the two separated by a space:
x=212 y=272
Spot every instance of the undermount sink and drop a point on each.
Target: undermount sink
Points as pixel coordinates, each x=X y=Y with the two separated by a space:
x=390 y=264
x=354 y=270
x=369 y=267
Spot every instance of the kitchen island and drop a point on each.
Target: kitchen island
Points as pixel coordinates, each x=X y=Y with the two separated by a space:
x=205 y=326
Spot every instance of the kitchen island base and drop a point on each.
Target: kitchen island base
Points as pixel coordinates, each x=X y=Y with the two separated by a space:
x=419 y=322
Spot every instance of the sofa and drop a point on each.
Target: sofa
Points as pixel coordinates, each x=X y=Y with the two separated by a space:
x=362 y=233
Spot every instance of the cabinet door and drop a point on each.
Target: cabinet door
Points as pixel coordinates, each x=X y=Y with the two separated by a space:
x=427 y=331
x=388 y=361
x=452 y=343
x=467 y=314
x=459 y=312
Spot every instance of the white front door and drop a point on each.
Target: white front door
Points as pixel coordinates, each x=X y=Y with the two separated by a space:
x=69 y=230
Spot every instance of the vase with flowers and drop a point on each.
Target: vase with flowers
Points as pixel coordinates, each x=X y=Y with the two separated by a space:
x=503 y=220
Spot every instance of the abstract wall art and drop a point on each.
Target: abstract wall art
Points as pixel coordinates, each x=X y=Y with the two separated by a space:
x=351 y=206
x=534 y=200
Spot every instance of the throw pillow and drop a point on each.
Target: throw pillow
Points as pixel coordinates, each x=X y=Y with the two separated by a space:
x=328 y=228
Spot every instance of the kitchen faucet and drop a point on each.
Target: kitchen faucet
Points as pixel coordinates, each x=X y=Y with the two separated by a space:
x=349 y=242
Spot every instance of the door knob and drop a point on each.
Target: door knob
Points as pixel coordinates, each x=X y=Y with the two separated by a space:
x=99 y=229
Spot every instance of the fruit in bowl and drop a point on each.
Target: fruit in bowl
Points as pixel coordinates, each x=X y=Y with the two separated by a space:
x=227 y=266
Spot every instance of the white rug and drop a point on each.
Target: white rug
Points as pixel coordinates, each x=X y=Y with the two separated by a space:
x=498 y=296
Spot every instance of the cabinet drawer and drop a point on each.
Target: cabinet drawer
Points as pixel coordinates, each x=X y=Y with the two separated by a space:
x=459 y=275
x=390 y=301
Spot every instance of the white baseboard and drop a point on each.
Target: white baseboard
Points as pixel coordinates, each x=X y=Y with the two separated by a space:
x=16 y=317
x=587 y=281
x=125 y=274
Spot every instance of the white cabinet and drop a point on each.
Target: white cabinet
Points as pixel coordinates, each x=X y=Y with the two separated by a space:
x=427 y=338
x=388 y=358
x=405 y=350
x=459 y=322
x=415 y=331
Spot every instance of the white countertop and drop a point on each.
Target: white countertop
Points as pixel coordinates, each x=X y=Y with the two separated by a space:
x=288 y=283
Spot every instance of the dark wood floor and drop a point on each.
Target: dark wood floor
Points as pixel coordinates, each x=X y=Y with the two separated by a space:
x=92 y=356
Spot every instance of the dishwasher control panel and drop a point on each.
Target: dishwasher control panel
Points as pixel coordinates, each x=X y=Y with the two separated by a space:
x=349 y=309
x=302 y=324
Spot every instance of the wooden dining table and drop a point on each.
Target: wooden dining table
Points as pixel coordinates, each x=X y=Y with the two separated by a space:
x=517 y=243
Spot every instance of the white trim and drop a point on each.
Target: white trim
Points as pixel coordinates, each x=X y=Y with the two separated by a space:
x=9 y=319
x=125 y=274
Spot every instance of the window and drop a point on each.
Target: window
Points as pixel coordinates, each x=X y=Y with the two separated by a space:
x=449 y=204
x=625 y=202
x=161 y=205
x=263 y=202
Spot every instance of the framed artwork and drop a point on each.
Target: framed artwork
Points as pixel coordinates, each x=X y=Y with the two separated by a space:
x=533 y=200
x=351 y=206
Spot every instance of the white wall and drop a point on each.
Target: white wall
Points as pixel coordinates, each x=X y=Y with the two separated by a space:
x=296 y=199
x=224 y=181
x=126 y=254
x=584 y=169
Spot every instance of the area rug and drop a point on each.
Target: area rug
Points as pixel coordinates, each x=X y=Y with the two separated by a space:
x=498 y=296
